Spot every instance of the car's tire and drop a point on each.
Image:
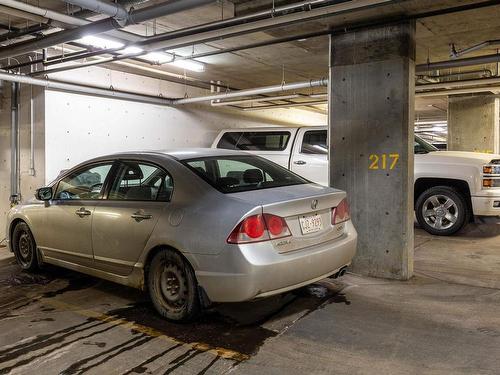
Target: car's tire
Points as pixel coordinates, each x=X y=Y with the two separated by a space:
x=442 y=210
x=24 y=247
x=172 y=286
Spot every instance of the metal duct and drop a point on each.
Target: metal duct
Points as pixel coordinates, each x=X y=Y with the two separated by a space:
x=91 y=90
x=252 y=92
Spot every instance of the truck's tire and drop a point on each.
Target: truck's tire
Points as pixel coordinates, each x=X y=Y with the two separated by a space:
x=172 y=286
x=442 y=210
x=24 y=247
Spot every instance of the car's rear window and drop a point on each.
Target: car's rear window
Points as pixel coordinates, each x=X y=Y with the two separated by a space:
x=255 y=141
x=231 y=174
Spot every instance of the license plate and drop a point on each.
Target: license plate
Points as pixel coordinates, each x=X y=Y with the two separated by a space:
x=310 y=224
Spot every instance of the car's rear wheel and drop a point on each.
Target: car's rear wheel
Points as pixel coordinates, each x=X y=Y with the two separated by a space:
x=442 y=210
x=24 y=247
x=172 y=286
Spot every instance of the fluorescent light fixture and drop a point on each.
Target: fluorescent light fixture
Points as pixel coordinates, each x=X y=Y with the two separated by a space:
x=431 y=122
x=157 y=57
x=96 y=41
x=195 y=66
x=130 y=50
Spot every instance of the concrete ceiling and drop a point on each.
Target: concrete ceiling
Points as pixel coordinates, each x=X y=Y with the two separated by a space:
x=308 y=59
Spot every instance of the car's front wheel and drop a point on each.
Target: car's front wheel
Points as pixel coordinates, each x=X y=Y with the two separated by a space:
x=442 y=210
x=172 y=286
x=24 y=247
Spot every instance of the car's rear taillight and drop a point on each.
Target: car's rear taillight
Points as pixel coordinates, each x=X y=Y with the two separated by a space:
x=276 y=226
x=341 y=213
x=258 y=228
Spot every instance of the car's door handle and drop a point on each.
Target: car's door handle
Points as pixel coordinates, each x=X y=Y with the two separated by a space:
x=83 y=212
x=299 y=162
x=139 y=216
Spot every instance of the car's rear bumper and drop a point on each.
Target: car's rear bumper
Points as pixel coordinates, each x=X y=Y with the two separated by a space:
x=261 y=272
x=485 y=205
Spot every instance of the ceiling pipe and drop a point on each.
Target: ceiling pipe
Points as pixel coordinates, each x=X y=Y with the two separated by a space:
x=59 y=37
x=469 y=61
x=33 y=29
x=91 y=90
x=262 y=90
x=277 y=17
x=455 y=54
x=288 y=105
x=470 y=90
x=101 y=26
x=113 y=10
x=455 y=84
x=42 y=12
x=238 y=26
x=256 y=100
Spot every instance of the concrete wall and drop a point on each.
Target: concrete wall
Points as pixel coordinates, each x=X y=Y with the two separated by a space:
x=28 y=182
x=71 y=128
x=473 y=124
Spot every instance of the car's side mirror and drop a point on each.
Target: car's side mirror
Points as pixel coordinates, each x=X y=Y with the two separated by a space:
x=44 y=194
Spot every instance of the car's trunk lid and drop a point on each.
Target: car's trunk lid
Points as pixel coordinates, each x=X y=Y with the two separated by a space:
x=298 y=203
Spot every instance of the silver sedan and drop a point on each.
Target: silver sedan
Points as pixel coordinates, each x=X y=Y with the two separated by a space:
x=191 y=226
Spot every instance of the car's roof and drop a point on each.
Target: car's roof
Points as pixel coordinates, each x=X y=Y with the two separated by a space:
x=184 y=153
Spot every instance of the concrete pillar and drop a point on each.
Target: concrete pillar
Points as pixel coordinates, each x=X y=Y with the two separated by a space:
x=473 y=123
x=372 y=74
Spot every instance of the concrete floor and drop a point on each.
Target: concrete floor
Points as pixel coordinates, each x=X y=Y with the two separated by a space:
x=444 y=321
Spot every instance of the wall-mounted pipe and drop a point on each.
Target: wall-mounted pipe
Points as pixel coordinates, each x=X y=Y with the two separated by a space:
x=251 y=92
x=14 y=143
x=91 y=90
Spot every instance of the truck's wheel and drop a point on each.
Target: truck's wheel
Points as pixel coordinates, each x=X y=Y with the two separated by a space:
x=442 y=210
x=24 y=247
x=172 y=287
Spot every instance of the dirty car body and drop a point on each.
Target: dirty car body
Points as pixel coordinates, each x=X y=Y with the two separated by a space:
x=107 y=217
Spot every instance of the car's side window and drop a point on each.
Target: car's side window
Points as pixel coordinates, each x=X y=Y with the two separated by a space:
x=141 y=182
x=83 y=184
x=314 y=142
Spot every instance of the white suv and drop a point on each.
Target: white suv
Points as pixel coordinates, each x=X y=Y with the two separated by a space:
x=450 y=186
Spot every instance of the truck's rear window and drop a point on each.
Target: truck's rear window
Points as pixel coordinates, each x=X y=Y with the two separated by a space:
x=255 y=141
x=231 y=174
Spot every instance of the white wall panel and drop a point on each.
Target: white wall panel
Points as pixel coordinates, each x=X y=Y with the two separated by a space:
x=79 y=127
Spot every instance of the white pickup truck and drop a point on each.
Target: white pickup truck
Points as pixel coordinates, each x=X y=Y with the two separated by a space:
x=450 y=186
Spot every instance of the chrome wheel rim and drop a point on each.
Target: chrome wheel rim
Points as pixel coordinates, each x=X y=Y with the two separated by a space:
x=440 y=212
x=173 y=286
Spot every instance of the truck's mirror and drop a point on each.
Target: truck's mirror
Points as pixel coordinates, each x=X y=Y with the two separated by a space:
x=44 y=194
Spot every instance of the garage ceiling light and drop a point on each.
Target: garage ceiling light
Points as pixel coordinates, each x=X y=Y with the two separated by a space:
x=131 y=50
x=155 y=57
x=99 y=42
x=195 y=66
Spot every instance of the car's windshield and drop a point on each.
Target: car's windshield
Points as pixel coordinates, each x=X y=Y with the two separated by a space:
x=423 y=147
x=231 y=174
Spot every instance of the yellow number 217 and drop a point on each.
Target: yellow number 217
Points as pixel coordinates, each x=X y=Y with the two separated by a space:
x=380 y=161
